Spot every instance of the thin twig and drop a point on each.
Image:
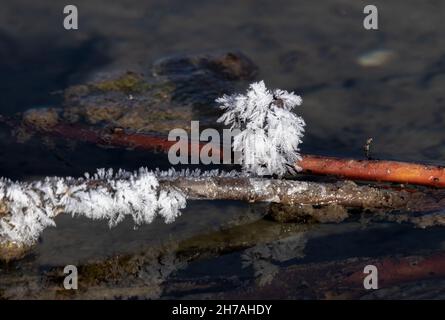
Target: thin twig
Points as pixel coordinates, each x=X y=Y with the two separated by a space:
x=365 y=170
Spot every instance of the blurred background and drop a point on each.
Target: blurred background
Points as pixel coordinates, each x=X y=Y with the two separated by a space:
x=356 y=83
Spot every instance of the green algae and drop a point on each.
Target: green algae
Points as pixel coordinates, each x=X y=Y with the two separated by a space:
x=129 y=82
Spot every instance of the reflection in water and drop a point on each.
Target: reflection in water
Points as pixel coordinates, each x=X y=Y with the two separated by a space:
x=264 y=258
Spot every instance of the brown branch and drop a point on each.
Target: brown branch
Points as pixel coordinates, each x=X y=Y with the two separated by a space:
x=287 y=192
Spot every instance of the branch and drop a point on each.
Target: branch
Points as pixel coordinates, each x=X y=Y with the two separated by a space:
x=376 y=170
x=27 y=208
x=366 y=170
x=288 y=192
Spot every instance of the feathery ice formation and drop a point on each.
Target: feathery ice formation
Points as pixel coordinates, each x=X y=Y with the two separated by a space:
x=27 y=208
x=270 y=132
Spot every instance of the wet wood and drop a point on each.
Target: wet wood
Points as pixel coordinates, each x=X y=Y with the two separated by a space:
x=286 y=192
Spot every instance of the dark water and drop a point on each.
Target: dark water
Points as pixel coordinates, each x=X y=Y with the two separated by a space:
x=320 y=50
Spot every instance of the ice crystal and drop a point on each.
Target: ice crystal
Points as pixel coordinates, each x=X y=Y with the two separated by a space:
x=105 y=195
x=32 y=206
x=197 y=173
x=270 y=132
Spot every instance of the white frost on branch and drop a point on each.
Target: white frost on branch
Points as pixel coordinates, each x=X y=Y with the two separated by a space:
x=27 y=208
x=197 y=173
x=32 y=206
x=269 y=139
x=270 y=132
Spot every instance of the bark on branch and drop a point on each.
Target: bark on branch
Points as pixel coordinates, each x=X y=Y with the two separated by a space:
x=196 y=187
x=291 y=192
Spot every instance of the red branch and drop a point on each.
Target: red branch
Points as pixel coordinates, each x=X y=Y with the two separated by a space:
x=368 y=170
x=376 y=170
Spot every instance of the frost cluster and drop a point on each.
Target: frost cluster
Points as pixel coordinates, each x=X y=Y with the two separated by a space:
x=32 y=206
x=172 y=173
x=270 y=131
